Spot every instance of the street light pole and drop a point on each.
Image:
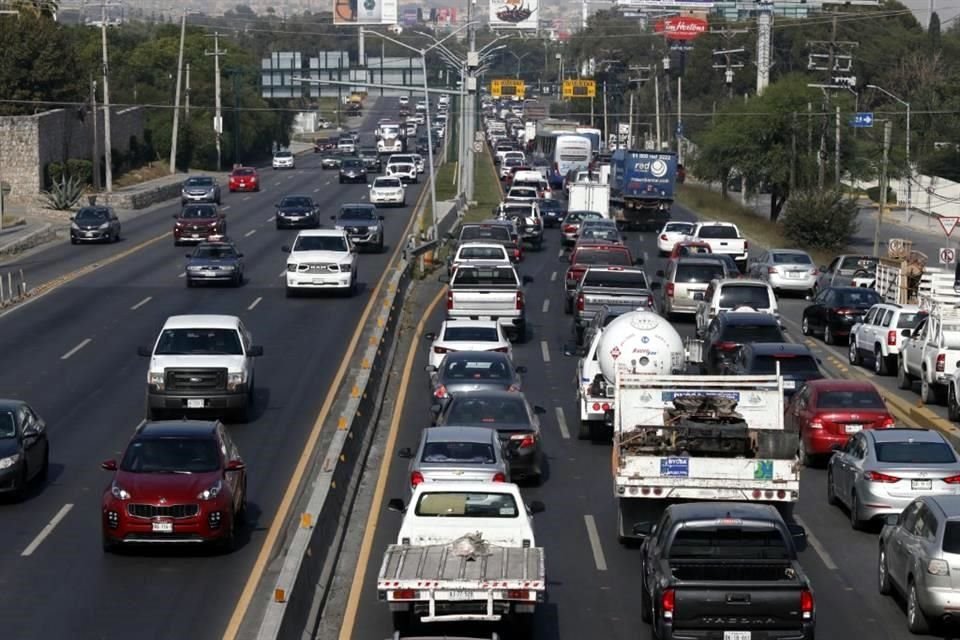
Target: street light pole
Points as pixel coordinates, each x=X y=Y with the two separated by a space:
x=909 y=166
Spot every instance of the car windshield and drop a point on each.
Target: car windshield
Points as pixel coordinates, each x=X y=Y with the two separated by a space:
x=471 y=410
x=8 y=425
x=357 y=213
x=859 y=399
x=448 y=504
x=496 y=369
x=723 y=258
x=573 y=217
x=483 y=253
x=728 y=542
x=743 y=333
x=860 y=298
x=733 y=296
x=915 y=453
x=471 y=334
x=855 y=263
x=550 y=205
x=693 y=249
x=215 y=252
x=350 y=163
x=199 y=182
x=208 y=342
x=283 y=154
x=296 y=201
x=194 y=212
x=601 y=256
x=600 y=233
x=789 y=364
x=791 y=258
x=522 y=193
x=460 y=452
x=615 y=279
x=718 y=231
x=243 y=172
x=88 y=214
x=490 y=232
x=321 y=243
x=678 y=227
x=387 y=183
x=171 y=455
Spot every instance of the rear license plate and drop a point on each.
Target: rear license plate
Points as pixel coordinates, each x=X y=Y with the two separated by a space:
x=162 y=526
x=196 y=235
x=318 y=281
x=457 y=595
x=789 y=384
x=195 y=403
x=698 y=295
x=736 y=635
x=852 y=428
x=794 y=274
x=919 y=485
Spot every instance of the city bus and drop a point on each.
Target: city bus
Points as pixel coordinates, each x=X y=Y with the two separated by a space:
x=572 y=153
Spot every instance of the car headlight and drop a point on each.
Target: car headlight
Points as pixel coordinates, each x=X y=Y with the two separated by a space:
x=236 y=379
x=372 y=228
x=346 y=268
x=9 y=461
x=194 y=267
x=212 y=492
x=338 y=227
x=104 y=226
x=291 y=268
x=155 y=378
x=75 y=226
x=119 y=492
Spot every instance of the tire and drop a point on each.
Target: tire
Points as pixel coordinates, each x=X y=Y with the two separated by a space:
x=928 y=392
x=380 y=245
x=853 y=353
x=279 y=226
x=21 y=491
x=828 y=335
x=855 y=522
x=805 y=458
x=646 y=604
x=567 y=305
x=521 y=626
x=883 y=574
x=73 y=241
x=242 y=415
x=341 y=180
x=831 y=492
x=904 y=379
x=238 y=281
x=805 y=327
x=583 y=431
x=108 y=545
x=402 y=621
x=881 y=363
x=291 y=292
x=228 y=543
x=916 y=619
x=44 y=473
x=152 y=414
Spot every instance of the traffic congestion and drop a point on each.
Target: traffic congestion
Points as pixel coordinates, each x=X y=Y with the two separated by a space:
x=766 y=480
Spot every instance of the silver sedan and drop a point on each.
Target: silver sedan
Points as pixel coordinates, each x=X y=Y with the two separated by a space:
x=785 y=270
x=880 y=471
x=471 y=454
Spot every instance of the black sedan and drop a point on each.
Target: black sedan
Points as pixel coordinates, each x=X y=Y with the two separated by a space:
x=215 y=261
x=835 y=310
x=729 y=331
x=24 y=448
x=297 y=211
x=515 y=421
x=353 y=170
x=471 y=371
x=552 y=212
x=94 y=224
x=362 y=224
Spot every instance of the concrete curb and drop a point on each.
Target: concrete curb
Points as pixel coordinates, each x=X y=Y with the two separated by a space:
x=45 y=233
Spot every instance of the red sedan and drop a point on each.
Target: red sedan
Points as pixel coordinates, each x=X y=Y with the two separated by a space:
x=244 y=179
x=827 y=412
x=179 y=481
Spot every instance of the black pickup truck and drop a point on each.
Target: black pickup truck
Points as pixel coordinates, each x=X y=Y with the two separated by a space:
x=724 y=570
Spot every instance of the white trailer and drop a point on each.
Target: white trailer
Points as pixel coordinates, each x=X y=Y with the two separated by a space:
x=589 y=196
x=691 y=437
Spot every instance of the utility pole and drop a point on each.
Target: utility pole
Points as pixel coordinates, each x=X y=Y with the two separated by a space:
x=176 y=99
x=630 y=144
x=727 y=53
x=656 y=102
x=793 y=154
x=235 y=74
x=764 y=37
x=186 y=95
x=108 y=141
x=362 y=51
x=679 y=119
x=218 y=115
x=836 y=152
x=96 y=135
x=887 y=126
x=606 y=135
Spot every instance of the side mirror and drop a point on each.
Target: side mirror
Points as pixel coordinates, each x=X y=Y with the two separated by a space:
x=239 y=255
x=277 y=205
x=430 y=368
x=521 y=369
x=660 y=273
x=536 y=506
x=144 y=352
x=72 y=218
x=333 y=217
x=406 y=452
x=643 y=529
x=655 y=286
x=188 y=255
x=255 y=351
x=527 y=279
x=381 y=218
x=905 y=333
x=174 y=216
x=396 y=504
x=236 y=465
x=109 y=465
x=537 y=409
x=285 y=249
x=430 y=336
x=891 y=519
x=435 y=409
x=799 y=535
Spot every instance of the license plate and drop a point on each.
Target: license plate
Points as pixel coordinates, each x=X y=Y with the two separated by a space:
x=318 y=281
x=789 y=384
x=196 y=235
x=698 y=295
x=736 y=635
x=852 y=428
x=918 y=485
x=195 y=403
x=162 y=526
x=794 y=274
x=459 y=595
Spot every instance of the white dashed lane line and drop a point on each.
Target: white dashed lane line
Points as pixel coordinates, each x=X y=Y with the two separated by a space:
x=546 y=305
x=598 y=557
x=249 y=233
x=254 y=303
x=553 y=277
x=141 y=303
x=562 y=423
x=246 y=198
x=82 y=344
x=270 y=219
x=545 y=350
x=817 y=545
x=47 y=530
x=183 y=274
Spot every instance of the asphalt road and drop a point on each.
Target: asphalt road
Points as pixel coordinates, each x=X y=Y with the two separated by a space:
x=72 y=355
x=593 y=583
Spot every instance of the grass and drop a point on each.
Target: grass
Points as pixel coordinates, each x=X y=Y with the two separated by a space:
x=151 y=171
x=487 y=190
x=711 y=205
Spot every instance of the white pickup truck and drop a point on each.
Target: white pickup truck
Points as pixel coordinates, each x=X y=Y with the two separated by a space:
x=465 y=553
x=723 y=237
x=931 y=354
x=489 y=292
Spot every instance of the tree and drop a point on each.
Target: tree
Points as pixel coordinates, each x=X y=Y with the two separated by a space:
x=39 y=8
x=821 y=219
x=933 y=31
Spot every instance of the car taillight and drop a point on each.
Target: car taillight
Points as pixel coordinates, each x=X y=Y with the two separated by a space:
x=941 y=362
x=806 y=604
x=844 y=311
x=746 y=245
x=415 y=478
x=499 y=477
x=888 y=423
x=519 y=300
x=404 y=594
x=440 y=392
x=952 y=480
x=663 y=236
x=892 y=338
x=501 y=350
x=650 y=302
x=773 y=270
x=518 y=594
x=816 y=424
x=668 y=602
x=669 y=289
x=569 y=228
x=814 y=272
x=514 y=388
x=442 y=350
x=526 y=440
x=727 y=346
x=875 y=476
x=581 y=303
x=449 y=300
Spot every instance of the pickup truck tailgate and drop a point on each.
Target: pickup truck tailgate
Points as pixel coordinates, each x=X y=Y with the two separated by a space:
x=755 y=607
x=483 y=302
x=514 y=565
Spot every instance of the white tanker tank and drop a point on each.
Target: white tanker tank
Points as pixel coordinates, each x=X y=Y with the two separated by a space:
x=642 y=342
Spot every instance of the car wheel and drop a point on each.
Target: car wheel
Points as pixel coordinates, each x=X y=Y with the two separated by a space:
x=916 y=618
x=855 y=522
x=22 y=485
x=883 y=574
x=881 y=365
x=73 y=241
x=242 y=415
x=853 y=354
x=805 y=458
x=904 y=379
x=241 y=514
x=402 y=621
x=646 y=606
x=228 y=542
x=380 y=245
x=583 y=432
x=189 y=282
x=805 y=326
x=291 y=292
x=927 y=393
x=831 y=491
x=238 y=281
x=828 y=335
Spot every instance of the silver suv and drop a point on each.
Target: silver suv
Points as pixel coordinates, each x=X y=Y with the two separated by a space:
x=685 y=280
x=200 y=189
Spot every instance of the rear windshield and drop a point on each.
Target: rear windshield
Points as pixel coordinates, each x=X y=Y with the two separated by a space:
x=742 y=333
x=678 y=227
x=614 y=279
x=601 y=256
x=951 y=537
x=858 y=399
x=466 y=505
x=915 y=453
x=855 y=263
x=471 y=334
x=491 y=232
x=733 y=296
x=478 y=275
x=861 y=298
x=459 y=452
x=476 y=410
x=908 y=320
x=718 y=231
x=789 y=364
x=483 y=253
x=728 y=543
x=698 y=272
x=791 y=258
x=479 y=369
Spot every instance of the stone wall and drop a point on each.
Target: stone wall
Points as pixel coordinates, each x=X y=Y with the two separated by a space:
x=29 y=143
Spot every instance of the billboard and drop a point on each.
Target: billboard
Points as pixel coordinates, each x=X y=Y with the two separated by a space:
x=409 y=17
x=703 y=5
x=365 y=11
x=514 y=14
x=681 y=27
x=446 y=15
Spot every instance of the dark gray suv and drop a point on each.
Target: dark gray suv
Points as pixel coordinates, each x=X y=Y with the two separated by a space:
x=362 y=224
x=353 y=170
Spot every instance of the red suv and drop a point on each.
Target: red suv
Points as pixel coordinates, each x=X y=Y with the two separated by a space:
x=593 y=255
x=244 y=179
x=197 y=222
x=178 y=481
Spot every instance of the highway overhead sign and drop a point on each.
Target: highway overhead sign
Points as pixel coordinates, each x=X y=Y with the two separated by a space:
x=862 y=119
x=579 y=88
x=507 y=87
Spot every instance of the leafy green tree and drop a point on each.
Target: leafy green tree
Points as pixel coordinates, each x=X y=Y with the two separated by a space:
x=933 y=31
x=820 y=219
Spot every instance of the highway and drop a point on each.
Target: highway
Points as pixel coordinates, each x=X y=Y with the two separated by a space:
x=593 y=588
x=72 y=355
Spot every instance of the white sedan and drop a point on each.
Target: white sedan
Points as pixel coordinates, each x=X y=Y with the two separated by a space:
x=283 y=160
x=388 y=192
x=671 y=234
x=467 y=335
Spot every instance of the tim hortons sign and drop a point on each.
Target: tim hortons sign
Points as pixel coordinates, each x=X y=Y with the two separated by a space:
x=681 y=27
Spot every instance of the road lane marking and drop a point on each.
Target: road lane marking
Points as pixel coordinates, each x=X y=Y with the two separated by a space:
x=224 y=207
x=47 y=530
x=249 y=233
x=817 y=545
x=82 y=344
x=553 y=277
x=546 y=305
x=254 y=304
x=598 y=558
x=245 y=198
x=560 y=253
x=141 y=303
x=545 y=350
x=281 y=517
x=183 y=274
x=270 y=219
x=317 y=190
x=562 y=423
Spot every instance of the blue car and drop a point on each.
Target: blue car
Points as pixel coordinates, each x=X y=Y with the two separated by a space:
x=215 y=261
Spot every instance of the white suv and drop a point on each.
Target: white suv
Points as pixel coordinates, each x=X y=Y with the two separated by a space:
x=321 y=259
x=880 y=335
x=735 y=295
x=405 y=171
x=201 y=363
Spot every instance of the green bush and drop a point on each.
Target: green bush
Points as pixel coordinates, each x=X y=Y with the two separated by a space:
x=874 y=194
x=820 y=219
x=81 y=169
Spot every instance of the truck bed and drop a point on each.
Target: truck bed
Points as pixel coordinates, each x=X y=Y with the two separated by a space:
x=404 y=563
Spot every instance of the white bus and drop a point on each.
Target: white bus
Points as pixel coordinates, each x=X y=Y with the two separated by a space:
x=594 y=135
x=572 y=152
